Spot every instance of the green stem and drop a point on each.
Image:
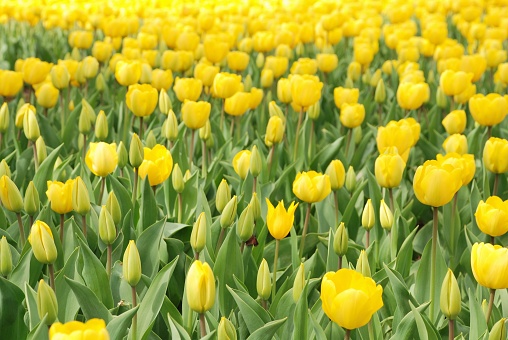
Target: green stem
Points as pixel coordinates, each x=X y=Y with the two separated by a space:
x=348 y=334
x=83 y=222
x=433 y=263
x=390 y=193
x=371 y=330
x=491 y=304
x=191 y=152
x=62 y=218
x=452 y=236
x=141 y=128
x=305 y=227
x=270 y=159
x=221 y=239
x=109 y=260
x=51 y=270
x=135 y=188
x=274 y=274
x=84 y=148
x=349 y=135
x=180 y=207
x=300 y=118
x=451 y=329
x=203 y=160
x=101 y=193
x=36 y=158
x=135 y=318
x=202 y=324
x=496 y=184
x=336 y=199
x=21 y=231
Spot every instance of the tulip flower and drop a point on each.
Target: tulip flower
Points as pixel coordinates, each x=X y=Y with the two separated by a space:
x=241 y=163
x=263 y=283
x=488 y=110
x=352 y=115
x=343 y=95
x=274 y=131
x=278 y=65
x=200 y=290
x=492 y=216
x=454 y=83
x=465 y=163
x=456 y=143
x=142 y=99
x=226 y=330
x=127 y=72
x=389 y=168
x=94 y=328
x=11 y=83
x=284 y=90
x=162 y=80
x=60 y=196
x=198 y=235
x=206 y=73
x=411 y=96
x=102 y=51
x=188 y=89
x=132 y=265
x=35 y=71
x=327 y=62
x=455 y=122
x=237 y=60
x=237 y=104
x=311 y=186
x=157 y=164
x=47 y=305
x=102 y=158
x=449 y=300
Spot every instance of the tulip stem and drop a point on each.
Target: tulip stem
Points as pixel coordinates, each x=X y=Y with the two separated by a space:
x=62 y=218
x=491 y=304
x=180 y=204
x=135 y=318
x=300 y=118
x=348 y=334
x=221 y=239
x=31 y=222
x=274 y=274
x=340 y=262
x=390 y=193
x=21 y=231
x=203 y=159
x=222 y=114
x=371 y=330
x=264 y=304
x=311 y=139
x=141 y=128
x=135 y=188
x=452 y=236
x=101 y=193
x=270 y=159
x=202 y=324
x=367 y=239
x=108 y=261
x=1 y=138
x=254 y=184
x=154 y=189
x=51 y=270
x=489 y=132
x=84 y=147
x=496 y=184
x=36 y=159
x=348 y=142
x=451 y=329
x=433 y=263
x=196 y=255
x=379 y=114
x=336 y=199
x=305 y=227
x=191 y=153
x=62 y=115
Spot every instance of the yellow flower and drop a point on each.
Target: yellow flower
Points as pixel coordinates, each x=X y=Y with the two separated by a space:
x=226 y=84
x=304 y=66
x=311 y=186
x=279 y=220
x=495 y=155
x=200 y=287
x=81 y=39
x=263 y=41
x=488 y=110
x=435 y=184
x=456 y=143
x=177 y=61
x=241 y=163
x=389 y=168
x=336 y=173
x=92 y=329
x=492 y=216
x=162 y=80
x=455 y=122
x=90 y=67
x=215 y=49
x=60 y=196
x=454 y=83
x=464 y=162
x=102 y=158
x=305 y=90
x=395 y=134
x=42 y=242
x=60 y=76
x=195 y=114
x=206 y=73
x=47 y=95
x=131 y=264
x=343 y=95
x=266 y=79
x=238 y=103
x=188 y=89
x=237 y=60
x=142 y=99
x=274 y=131
x=102 y=51
x=354 y=70
x=489 y=263
x=157 y=164
x=10 y=83
x=284 y=90
x=352 y=115
x=411 y=96
x=327 y=62
x=10 y=195
x=278 y=65
x=349 y=298
x=256 y=97
x=127 y=72
x=35 y=71
x=475 y=64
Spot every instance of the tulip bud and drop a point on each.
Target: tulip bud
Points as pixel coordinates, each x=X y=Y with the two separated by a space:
x=186 y=176
x=10 y=195
x=42 y=151
x=441 y=99
x=84 y=125
x=75 y=54
x=367 y=75
x=275 y=110
x=268 y=96
x=4 y=169
x=256 y=164
x=314 y=111
x=255 y=206
x=177 y=179
x=31 y=202
x=170 y=127
x=210 y=142
x=80 y=197
x=71 y=105
x=260 y=60
x=431 y=77
x=136 y=151
x=368 y=216
x=226 y=330
x=164 y=102
x=4 y=118
x=337 y=174
x=247 y=83
x=88 y=110
x=385 y=216
x=114 y=207
x=223 y=196
x=245 y=225
x=43 y=244
x=200 y=287
x=340 y=241
x=380 y=94
x=498 y=331
x=350 y=179
x=123 y=156
x=30 y=126
x=101 y=126
x=499 y=87
x=362 y=266
x=228 y=215
x=349 y=84
x=263 y=281
x=5 y=257
x=100 y=83
x=299 y=283
x=198 y=234
x=107 y=230
x=22 y=108
x=357 y=134
x=485 y=307
x=46 y=303
x=150 y=141
x=449 y=300
x=131 y=264
x=206 y=131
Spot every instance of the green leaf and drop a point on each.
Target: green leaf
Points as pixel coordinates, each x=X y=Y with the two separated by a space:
x=12 y=325
x=117 y=327
x=477 y=325
x=90 y=304
x=68 y=305
x=149 y=210
x=177 y=331
x=300 y=316
x=254 y=315
x=44 y=174
x=148 y=244
x=40 y=331
x=267 y=331
x=31 y=304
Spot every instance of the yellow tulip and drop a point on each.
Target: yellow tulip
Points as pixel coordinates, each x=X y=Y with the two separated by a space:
x=489 y=263
x=102 y=51
x=162 y=80
x=237 y=60
x=226 y=84
x=354 y=70
x=81 y=39
x=177 y=61
x=241 y=163
x=274 y=131
x=435 y=184
x=266 y=79
x=495 y=155
x=60 y=196
x=279 y=220
x=195 y=114
x=42 y=242
x=93 y=328
x=475 y=64
x=127 y=72
x=187 y=41
x=327 y=62
x=284 y=90
x=188 y=89
x=10 y=195
x=411 y=96
x=157 y=164
x=305 y=90
x=35 y=71
x=389 y=168
x=397 y=135
x=206 y=73
x=352 y=115
x=11 y=83
x=343 y=95
x=492 y=216
x=237 y=104
x=256 y=97
x=488 y=110
x=336 y=173
x=131 y=264
x=456 y=143
x=311 y=186
x=142 y=99
x=263 y=41
x=200 y=287
x=349 y=298
x=215 y=49
x=60 y=76
x=90 y=67
x=455 y=122
x=47 y=95
x=454 y=83
x=464 y=162
x=101 y=158
x=278 y=65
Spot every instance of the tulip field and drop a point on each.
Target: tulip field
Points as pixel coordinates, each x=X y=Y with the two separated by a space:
x=254 y=169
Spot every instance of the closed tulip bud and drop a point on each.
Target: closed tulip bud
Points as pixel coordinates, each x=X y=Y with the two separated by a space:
x=150 y=140
x=305 y=90
x=314 y=111
x=350 y=179
x=80 y=198
x=266 y=79
x=10 y=195
x=177 y=179
x=43 y=244
x=47 y=305
x=42 y=152
x=455 y=122
x=107 y=230
x=385 y=216
x=101 y=158
x=245 y=225
x=47 y=95
x=256 y=164
x=260 y=60
x=146 y=74
x=30 y=126
x=200 y=287
x=362 y=266
x=247 y=83
x=337 y=174
x=274 y=110
x=357 y=134
x=228 y=215
x=127 y=72
x=498 y=331
x=123 y=156
x=4 y=118
x=354 y=70
x=255 y=206
x=60 y=77
x=366 y=76
x=352 y=115
x=206 y=131
x=456 y=143
x=340 y=240
x=226 y=330
x=60 y=195
x=492 y=216
x=223 y=196
x=368 y=215
x=113 y=208
x=21 y=113
x=210 y=142
x=449 y=300
x=241 y=163
x=136 y=151
x=263 y=281
x=4 y=169
x=441 y=98
x=5 y=257
x=170 y=127
x=380 y=94
x=100 y=83
x=311 y=186
x=101 y=126
x=349 y=83
x=31 y=202
x=198 y=234
x=164 y=102
x=84 y=125
x=131 y=264
x=299 y=283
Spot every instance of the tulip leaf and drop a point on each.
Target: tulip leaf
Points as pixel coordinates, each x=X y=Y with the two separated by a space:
x=268 y=330
x=401 y=291
x=149 y=208
x=95 y=276
x=40 y=331
x=44 y=174
x=300 y=316
x=122 y=194
x=27 y=270
x=68 y=305
x=148 y=244
x=88 y=301
x=118 y=326
x=404 y=257
x=254 y=315
x=152 y=302
x=31 y=304
x=477 y=325
x=177 y=332
x=12 y=323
